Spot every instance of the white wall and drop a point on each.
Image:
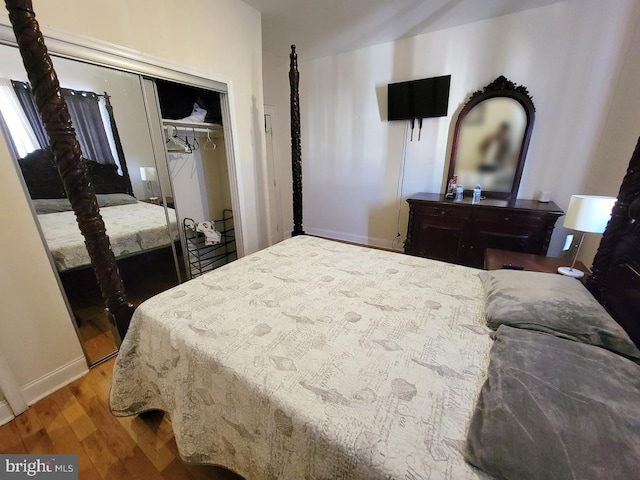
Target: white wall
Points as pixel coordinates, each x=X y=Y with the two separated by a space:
x=36 y=334
x=276 y=93
x=567 y=55
x=189 y=188
x=621 y=131
x=222 y=39
x=201 y=179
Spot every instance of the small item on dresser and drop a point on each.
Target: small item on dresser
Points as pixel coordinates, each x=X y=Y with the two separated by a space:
x=451 y=188
x=544 y=197
x=459 y=193
x=512 y=266
x=477 y=192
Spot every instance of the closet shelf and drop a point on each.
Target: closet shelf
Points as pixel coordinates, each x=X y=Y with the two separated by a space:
x=214 y=127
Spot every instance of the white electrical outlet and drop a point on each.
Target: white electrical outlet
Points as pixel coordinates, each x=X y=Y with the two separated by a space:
x=567 y=243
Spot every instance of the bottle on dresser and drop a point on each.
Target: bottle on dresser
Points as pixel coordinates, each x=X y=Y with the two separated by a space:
x=477 y=194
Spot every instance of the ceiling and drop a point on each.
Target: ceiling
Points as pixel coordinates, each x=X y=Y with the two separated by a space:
x=322 y=28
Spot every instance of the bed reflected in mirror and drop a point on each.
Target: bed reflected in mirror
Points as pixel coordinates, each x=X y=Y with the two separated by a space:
x=132 y=189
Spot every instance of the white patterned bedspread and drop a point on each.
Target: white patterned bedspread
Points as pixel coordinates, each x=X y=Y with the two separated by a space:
x=132 y=228
x=314 y=360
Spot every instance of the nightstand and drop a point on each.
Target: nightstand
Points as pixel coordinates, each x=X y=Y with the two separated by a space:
x=495 y=259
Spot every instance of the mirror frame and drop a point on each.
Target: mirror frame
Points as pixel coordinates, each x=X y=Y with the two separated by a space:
x=500 y=87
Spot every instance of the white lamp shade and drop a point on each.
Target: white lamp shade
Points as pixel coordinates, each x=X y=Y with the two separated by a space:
x=589 y=213
x=148 y=174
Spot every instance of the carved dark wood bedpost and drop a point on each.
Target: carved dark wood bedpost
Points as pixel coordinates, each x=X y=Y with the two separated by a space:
x=618 y=225
x=72 y=169
x=296 y=152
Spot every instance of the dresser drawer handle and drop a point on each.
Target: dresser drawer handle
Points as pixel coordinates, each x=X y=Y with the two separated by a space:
x=506 y=219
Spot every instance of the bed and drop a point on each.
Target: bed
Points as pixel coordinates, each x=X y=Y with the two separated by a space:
x=314 y=359
x=133 y=227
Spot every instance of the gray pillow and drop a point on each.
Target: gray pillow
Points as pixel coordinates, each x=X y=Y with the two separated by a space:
x=51 y=205
x=54 y=205
x=555 y=409
x=554 y=304
x=114 y=199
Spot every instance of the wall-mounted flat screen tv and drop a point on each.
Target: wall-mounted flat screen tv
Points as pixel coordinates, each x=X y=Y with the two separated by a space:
x=425 y=98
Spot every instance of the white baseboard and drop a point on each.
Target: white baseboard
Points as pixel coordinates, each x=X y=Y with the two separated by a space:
x=6 y=414
x=359 y=239
x=43 y=386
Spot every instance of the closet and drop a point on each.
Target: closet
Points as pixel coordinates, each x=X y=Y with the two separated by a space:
x=198 y=174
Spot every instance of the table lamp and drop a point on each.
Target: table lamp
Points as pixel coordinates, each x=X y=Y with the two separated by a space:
x=587 y=214
x=148 y=174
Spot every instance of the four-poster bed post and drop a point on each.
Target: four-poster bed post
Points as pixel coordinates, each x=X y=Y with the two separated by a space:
x=615 y=274
x=618 y=224
x=73 y=170
x=296 y=151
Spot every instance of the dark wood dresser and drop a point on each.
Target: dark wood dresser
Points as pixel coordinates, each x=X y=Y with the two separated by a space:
x=459 y=232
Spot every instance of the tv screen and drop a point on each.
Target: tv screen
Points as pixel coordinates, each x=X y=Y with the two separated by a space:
x=424 y=98
x=431 y=96
x=399 y=101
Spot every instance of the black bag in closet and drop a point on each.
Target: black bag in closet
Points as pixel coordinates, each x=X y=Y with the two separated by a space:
x=176 y=101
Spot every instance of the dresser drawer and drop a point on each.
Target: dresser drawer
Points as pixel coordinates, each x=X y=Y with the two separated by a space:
x=443 y=211
x=509 y=217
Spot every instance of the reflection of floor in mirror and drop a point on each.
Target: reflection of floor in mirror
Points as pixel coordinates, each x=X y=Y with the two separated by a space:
x=95 y=331
x=144 y=276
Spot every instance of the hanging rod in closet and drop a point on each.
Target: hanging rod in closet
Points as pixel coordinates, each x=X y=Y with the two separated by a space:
x=172 y=128
x=199 y=126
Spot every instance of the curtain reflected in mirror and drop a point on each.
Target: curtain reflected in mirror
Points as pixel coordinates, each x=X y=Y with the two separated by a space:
x=112 y=127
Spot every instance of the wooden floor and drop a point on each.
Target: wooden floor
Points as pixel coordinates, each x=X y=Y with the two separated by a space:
x=144 y=276
x=76 y=419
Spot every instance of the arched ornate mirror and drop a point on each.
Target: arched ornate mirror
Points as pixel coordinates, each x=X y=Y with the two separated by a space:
x=491 y=139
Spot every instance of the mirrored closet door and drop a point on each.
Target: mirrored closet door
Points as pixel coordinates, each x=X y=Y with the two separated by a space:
x=163 y=172
x=110 y=118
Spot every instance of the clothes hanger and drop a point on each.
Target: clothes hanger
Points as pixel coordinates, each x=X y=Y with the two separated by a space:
x=196 y=144
x=180 y=146
x=209 y=142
